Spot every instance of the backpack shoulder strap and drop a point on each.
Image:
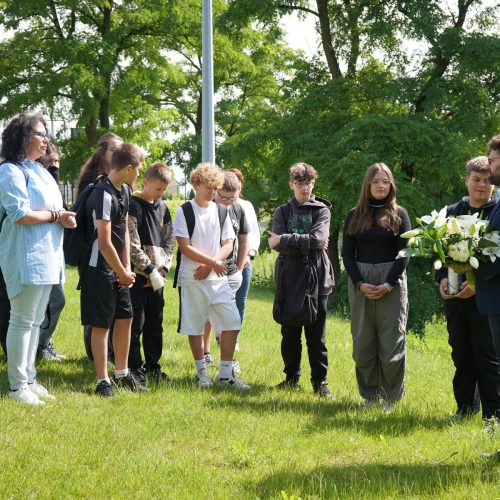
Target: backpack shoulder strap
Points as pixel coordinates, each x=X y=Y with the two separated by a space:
x=187 y=209
x=222 y=213
x=285 y=212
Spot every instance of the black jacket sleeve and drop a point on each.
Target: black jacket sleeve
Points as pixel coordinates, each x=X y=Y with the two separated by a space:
x=302 y=243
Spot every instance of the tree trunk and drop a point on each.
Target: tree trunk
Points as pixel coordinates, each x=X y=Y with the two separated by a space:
x=326 y=39
x=91 y=131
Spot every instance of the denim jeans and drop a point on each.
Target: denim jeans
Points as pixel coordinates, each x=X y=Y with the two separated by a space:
x=54 y=308
x=27 y=310
x=242 y=293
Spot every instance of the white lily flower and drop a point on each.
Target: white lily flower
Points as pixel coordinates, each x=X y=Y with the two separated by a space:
x=474 y=262
x=453 y=226
x=410 y=234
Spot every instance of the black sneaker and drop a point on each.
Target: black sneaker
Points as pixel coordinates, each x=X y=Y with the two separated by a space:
x=104 y=389
x=140 y=379
x=128 y=382
x=289 y=383
x=157 y=376
x=323 y=391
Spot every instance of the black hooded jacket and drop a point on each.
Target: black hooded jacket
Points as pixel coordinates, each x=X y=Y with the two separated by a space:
x=307 y=230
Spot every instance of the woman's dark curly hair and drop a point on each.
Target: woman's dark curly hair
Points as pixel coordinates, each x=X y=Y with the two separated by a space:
x=17 y=136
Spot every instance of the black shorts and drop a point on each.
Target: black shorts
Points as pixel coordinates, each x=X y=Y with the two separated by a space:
x=102 y=300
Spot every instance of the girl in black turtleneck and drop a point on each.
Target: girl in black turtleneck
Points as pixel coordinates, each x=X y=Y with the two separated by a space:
x=377 y=288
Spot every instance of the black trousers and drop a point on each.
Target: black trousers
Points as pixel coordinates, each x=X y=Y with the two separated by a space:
x=148 y=321
x=494 y=321
x=291 y=347
x=477 y=371
x=4 y=313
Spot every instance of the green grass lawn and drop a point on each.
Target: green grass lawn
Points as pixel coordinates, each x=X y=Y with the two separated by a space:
x=180 y=442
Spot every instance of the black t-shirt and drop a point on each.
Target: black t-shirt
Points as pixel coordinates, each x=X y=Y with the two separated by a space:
x=108 y=203
x=240 y=226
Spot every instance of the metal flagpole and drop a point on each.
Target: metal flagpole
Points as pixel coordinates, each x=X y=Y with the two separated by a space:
x=207 y=94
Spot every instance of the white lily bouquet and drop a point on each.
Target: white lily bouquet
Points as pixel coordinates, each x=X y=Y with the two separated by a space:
x=461 y=240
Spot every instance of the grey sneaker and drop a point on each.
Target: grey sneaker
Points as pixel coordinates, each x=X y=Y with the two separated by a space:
x=370 y=403
x=388 y=406
x=232 y=383
x=47 y=354
x=54 y=351
x=203 y=379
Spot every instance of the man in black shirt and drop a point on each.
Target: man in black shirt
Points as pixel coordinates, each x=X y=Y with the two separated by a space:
x=105 y=275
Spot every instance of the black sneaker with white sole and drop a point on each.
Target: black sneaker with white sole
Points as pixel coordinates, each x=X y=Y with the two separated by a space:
x=127 y=382
x=104 y=389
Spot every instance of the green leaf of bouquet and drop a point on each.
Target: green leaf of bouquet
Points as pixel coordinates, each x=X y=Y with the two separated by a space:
x=439 y=248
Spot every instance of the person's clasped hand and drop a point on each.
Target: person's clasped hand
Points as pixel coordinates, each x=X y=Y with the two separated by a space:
x=67 y=219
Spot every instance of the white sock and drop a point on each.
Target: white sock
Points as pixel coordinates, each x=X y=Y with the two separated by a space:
x=200 y=364
x=226 y=369
x=121 y=373
x=99 y=380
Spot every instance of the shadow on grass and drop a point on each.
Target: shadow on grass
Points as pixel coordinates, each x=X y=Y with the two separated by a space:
x=343 y=414
x=374 y=480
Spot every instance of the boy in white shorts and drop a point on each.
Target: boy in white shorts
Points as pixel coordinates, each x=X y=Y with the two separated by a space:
x=204 y=291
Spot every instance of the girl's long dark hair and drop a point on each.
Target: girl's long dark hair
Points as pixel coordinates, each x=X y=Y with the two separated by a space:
x=362 y=219
x=95 y=163
x=17 y=136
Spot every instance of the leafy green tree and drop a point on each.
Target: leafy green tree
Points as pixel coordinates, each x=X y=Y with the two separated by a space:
x=366 y=100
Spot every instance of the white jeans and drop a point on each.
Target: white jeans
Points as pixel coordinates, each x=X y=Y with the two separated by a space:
x=27 y=311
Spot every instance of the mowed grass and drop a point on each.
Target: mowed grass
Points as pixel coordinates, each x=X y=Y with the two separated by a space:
x=180 y=442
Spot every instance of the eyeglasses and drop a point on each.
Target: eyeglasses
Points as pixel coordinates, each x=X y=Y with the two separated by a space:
x=302 y=185
x=226 y=198
x=383 y=182
x=492 y=160
x=43 y=135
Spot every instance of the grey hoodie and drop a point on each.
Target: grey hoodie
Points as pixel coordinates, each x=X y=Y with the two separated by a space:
x=306 y=232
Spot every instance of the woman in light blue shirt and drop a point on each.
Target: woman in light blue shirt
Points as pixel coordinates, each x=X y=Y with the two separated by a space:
x=31 y=256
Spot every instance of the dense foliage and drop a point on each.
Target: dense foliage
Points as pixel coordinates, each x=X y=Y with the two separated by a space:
x=414 y=84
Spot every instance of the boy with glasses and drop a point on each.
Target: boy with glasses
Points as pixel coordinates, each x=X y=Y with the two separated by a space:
x=302 y=227
x=227 y=196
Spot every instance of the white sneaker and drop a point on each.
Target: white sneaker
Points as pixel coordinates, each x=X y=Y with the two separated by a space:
x=40 y=391
x=232 y=383
x=236 y=367
x=24 y=395
x=203 y=379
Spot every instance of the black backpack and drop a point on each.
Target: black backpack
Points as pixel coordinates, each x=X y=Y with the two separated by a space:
x=188 y=211
x=78 y=242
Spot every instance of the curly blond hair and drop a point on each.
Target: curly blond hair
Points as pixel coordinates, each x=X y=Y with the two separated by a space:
x=207 y=173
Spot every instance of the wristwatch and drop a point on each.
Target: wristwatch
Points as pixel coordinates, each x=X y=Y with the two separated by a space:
x=251 y=254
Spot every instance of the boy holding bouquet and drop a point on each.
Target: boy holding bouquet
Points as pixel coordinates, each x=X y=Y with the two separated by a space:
x=477 y=372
